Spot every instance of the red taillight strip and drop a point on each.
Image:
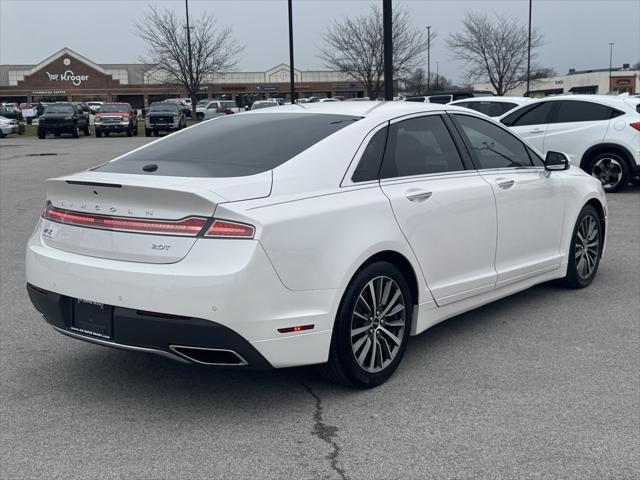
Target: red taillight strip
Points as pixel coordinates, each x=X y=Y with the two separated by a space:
x=189 y=227
x=227 y=229
x=635 y=125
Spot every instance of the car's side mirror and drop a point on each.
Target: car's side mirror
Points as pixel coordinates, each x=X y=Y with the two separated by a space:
x=556 y=161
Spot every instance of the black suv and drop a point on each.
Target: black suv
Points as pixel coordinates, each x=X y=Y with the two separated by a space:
x=63 y=118
x=164 y=116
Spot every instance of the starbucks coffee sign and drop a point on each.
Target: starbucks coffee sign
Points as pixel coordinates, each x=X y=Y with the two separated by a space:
x=68 y=76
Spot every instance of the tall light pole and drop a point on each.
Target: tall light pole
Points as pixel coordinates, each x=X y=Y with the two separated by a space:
x=437 y=79
x=611 y=44
x=387 y=31
x=292 y=77
x=429 y=58
x=186 y=7
x=529 y=52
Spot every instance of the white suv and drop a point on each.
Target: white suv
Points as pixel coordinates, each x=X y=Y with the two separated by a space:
x=600 y=134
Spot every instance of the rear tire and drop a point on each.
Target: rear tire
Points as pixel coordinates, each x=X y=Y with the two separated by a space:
x=86 y=130
x=611 y=169
x=75 y=133
x=147 y=132
x=586 y=249
x=42 y=134
x=199 y=116
x=368 y=340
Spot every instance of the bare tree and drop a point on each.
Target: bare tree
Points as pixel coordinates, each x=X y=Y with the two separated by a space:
x=495 y=50
x=416 y=82
x=213 y=49
x=440 y=82
x=355 y=47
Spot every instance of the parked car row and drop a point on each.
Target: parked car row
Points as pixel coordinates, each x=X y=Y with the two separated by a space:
x=113 y=117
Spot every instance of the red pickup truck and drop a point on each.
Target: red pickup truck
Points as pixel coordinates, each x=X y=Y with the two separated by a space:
x=116 y=117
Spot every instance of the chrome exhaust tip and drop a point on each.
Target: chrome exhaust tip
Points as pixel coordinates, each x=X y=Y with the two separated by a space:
x=210 y=356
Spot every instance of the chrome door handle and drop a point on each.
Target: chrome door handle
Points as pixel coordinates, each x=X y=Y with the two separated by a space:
x=418 y=195
x=537 y=130
x=505 y=183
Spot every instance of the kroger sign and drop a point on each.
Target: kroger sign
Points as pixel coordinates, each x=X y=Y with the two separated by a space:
x=68 y=76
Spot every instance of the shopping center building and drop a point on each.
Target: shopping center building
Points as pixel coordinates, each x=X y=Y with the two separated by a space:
x=595 y=81
x=67 y=75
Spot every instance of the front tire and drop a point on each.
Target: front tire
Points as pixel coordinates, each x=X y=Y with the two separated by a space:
x=129 y=131
x=586 y=249
x=611 y=169
x=42 y=134
x=147 y=132
x=75 y=133
x=372 y=327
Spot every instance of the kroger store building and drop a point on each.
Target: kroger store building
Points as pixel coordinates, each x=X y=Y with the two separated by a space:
x=67 y=75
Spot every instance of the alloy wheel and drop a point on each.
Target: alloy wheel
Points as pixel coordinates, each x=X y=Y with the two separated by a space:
x=377 y=324
x=587 y=246
x=609 y=171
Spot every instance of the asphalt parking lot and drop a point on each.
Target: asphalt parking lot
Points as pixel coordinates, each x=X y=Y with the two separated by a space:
x=544 y=384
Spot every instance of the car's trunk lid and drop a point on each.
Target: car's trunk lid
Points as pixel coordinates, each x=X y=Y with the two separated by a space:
x=148 y=198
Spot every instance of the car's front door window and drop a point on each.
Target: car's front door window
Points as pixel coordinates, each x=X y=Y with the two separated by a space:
x=491 y=146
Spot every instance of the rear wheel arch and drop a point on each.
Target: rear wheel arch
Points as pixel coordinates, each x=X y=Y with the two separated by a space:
x=402 y=263
x=604 y=148
x=599 y=208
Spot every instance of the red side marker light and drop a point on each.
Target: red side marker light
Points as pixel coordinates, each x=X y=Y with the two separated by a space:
x=297 y=328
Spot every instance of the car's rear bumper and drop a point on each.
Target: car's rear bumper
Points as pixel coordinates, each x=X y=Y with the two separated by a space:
x=174 y=337
x=228 y=283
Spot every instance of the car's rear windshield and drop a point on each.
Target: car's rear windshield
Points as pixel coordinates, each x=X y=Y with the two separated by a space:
x=233 y=146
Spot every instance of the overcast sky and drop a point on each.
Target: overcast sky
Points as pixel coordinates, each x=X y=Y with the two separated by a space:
x=577 y=32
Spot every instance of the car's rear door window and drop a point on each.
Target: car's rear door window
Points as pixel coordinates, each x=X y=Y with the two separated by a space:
x=580 y=111
x=420 y=146
x=537 y=114
x=233 y=145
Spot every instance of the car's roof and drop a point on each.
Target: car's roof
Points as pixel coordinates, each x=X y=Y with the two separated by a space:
x=593 y=98
x=615 y=101
x=368 y=109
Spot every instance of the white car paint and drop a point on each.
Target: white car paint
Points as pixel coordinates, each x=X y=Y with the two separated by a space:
x=468 y=243
x=8 y=126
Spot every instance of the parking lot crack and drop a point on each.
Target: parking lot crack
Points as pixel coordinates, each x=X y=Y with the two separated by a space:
x=326 y=433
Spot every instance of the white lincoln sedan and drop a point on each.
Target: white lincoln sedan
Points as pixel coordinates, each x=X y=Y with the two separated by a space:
x=321 y=234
